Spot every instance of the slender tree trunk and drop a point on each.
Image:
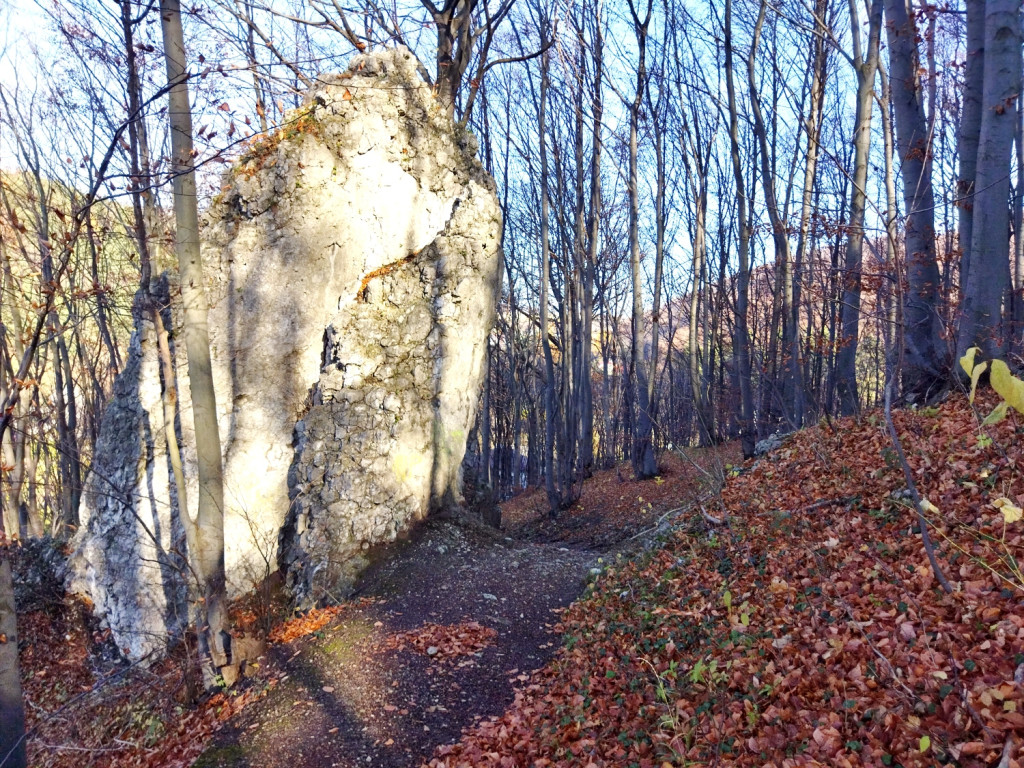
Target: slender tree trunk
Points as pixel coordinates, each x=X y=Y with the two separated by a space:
x=891 y=325
x=660 y=224
x=102 y=301
x=12 y=709
x=969 y=132
x=67 y=437
x=846 y=359
x=484 y=478
x=988 y=277
x=924 y=361
x=593 y=244
x=210 y=520
x=780 y=234
x=13 y=443
x=642 y=452
x=746 y=415
x=697 y=377
x=813 y=131
x=550 y=401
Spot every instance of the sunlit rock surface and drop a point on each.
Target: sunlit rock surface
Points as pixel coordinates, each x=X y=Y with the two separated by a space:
x=353 y=264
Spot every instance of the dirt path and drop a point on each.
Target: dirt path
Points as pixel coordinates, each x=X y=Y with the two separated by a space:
x=345 y=699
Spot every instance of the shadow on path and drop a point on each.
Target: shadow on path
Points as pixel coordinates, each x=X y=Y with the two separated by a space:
x=344 y=701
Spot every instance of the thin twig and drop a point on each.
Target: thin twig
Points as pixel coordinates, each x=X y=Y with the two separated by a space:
x=922 y=524
x=711 y=518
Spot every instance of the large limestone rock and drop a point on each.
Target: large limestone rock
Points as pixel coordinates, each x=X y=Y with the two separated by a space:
x=353 y=265
x=129 y=554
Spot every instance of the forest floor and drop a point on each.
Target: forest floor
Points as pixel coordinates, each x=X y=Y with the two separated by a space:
x=440 y=632
x=791 y=618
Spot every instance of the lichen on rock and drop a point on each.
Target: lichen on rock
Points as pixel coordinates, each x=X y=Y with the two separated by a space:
x=353 y=265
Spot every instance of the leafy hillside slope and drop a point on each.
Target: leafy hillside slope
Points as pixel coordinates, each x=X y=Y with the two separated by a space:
x=807 y=628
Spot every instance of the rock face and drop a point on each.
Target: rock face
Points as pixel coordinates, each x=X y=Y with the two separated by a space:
x=128 y=553
x=353 y=261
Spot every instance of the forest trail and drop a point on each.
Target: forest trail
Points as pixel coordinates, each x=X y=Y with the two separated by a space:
x=349 y=696
x=356 y=683
x=440 y=632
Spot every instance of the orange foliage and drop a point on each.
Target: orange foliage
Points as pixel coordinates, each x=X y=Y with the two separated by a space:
x=809 y=628
x=447 y=640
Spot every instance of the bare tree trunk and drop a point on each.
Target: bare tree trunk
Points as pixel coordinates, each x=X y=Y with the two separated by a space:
x=891 y=325
x=245 y=9
x=812 y=127
x=780 y=234
x=988 y=276
x=698 y=183
x=550 y=471
x=866 y=66
x=746 y=415
x=593 y=244
x=67 y=438
x=660 y=224
x=12 y=709
x=924 y=361
x=209 y=558
x=970 y=129
x=642 y=453
x=484 y=477
x=13 y=444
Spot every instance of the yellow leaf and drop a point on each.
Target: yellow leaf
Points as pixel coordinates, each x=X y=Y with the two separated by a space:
x=925 y=742
x=967 y=361
x=975 y=375
x=1011 y=512
x=997 y=415
x=927 y=506
x=1009 y=387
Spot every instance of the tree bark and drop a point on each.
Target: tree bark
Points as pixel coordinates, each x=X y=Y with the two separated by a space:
x=642 y=452
x=812 y=127
x=12 y=709
x=746 y=415
x=969 y=131
x=923 y=361
x=209 y=558
x=988 y=276
x=849 y=324
x=550 y=471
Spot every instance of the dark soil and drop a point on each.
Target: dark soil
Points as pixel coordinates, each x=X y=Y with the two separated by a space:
x=345 y=700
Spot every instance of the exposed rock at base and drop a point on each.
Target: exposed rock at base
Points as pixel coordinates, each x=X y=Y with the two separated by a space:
x=353 y=265
x=769 y=444
x=128 y=554
x=384 y=440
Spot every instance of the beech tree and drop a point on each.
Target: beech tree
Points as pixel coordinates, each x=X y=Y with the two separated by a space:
x=865 y=64
x=987 y=263
x=207 y=538
x=925 y=364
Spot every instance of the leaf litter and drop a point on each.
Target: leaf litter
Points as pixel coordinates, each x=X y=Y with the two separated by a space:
x=808 y=628
x=805 y=629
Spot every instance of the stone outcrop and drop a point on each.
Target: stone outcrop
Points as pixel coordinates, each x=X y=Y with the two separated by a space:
x=353 y=265
x=129 y=552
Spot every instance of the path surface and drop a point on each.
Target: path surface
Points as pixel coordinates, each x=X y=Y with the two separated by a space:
x=346 y=700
